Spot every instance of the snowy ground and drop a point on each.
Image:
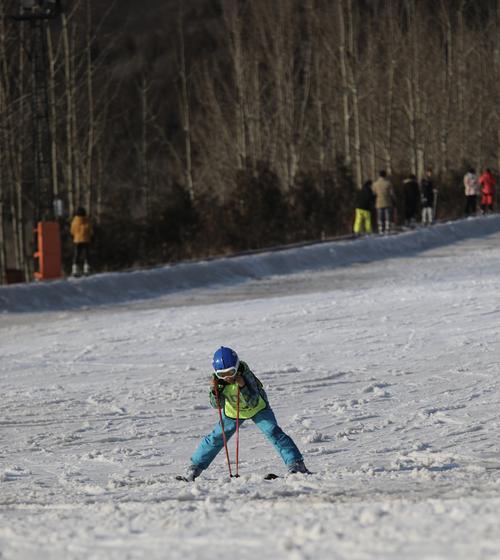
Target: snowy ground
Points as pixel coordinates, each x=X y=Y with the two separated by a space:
x=384 y=370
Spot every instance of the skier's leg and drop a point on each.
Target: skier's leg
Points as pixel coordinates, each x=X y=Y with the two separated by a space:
x=211 y=444
x=357 y=222
x=284 y=444
x=75 y=269
x=380 y=220
x=368 y=221
x=388 y=219
x=85 y=256
x=468 y=205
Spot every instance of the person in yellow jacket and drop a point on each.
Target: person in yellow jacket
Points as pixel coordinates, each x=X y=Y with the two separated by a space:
x=81 y=231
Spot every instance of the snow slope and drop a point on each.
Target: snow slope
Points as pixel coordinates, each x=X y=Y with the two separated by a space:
x=384 y=371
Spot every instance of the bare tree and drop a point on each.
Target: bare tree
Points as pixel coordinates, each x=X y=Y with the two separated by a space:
x=3 y=244
x=447 y=81
x=70 y=164
x=233 y=23
x=414 y=96
x=343 y=56
x=496 y=85
x=185 y=111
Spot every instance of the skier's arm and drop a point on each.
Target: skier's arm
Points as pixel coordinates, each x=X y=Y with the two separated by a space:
x=212 y=395
x=250 y=390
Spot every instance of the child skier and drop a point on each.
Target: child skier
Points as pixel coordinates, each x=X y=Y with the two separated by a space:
x=231 y=375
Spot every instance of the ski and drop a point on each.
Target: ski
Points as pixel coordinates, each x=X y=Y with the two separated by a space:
x=271 y=476
x=268 y=476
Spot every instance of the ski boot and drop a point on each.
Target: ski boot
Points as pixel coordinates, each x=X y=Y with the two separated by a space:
x=298 y=467
x=192 y=472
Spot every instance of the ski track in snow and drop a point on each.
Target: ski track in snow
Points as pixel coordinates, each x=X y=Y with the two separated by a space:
x=385 y=373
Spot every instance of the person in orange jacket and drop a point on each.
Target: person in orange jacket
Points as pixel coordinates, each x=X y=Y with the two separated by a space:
x=487 y=182
x=81 y=231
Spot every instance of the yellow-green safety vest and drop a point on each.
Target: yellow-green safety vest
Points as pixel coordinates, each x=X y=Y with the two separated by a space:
x=231 y=399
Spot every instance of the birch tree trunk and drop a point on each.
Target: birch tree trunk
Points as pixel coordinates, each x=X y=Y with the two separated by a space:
x=13 y=135
x=98 y=187
x=70 y=140
x=414 y=95
x=320 y=127
x=353 y=88
x=88 y=183
x=233 y=24
x=52 y=111
x=461 y=69
x=373 y=148
x=448 y=82
x=394 y=40
x=3 y=246
x=255 y=117
x=496 y=63
x=344 y=82
x=185 y=113
x=144 y=87
x=281 y=73
x=23 y=259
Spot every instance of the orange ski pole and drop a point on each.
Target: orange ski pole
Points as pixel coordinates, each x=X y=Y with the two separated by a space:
x=222 y=428
x=237 y=430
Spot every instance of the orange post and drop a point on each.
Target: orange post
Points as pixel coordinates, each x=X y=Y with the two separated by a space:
x=48 y=254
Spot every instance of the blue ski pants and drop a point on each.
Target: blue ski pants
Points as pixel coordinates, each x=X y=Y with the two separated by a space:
x=265 y=420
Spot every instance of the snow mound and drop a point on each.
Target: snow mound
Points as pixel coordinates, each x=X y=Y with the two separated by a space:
x=114 y=288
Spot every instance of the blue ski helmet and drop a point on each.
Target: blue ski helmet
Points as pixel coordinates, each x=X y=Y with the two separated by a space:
x=225 y=358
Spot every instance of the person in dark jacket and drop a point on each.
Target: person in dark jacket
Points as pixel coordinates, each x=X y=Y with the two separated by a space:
x=428 y=194
x=411 y=193
x=364 y=205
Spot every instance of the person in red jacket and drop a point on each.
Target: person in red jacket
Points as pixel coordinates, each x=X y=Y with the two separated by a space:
x=487 y=182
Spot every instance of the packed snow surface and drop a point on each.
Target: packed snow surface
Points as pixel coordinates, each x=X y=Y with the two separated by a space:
x=380 y=357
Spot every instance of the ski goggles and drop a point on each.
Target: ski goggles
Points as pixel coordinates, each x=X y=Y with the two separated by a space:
x=226 y=373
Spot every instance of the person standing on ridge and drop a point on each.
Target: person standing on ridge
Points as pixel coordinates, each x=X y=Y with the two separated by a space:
x=364 y=207
x=487 y=182
x=239 y=395
x=471 y=186
x=411 y=198
x=81 y=230
x=384 y=193
x=428 y=194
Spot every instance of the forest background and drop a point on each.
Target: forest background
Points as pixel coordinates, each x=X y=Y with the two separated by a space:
x=195 y=128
